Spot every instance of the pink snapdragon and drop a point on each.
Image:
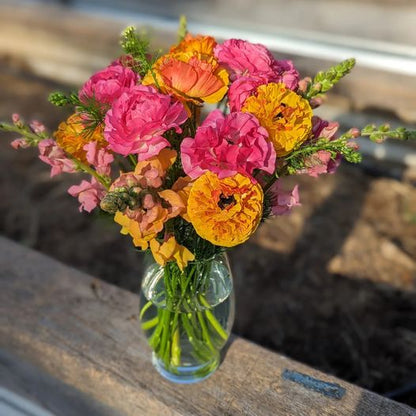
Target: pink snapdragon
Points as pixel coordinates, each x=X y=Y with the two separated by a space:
x=137 y=120
x=283 y=201
x=54 y=156
x=227 y=145
x=20 y=143
x=89 y=194
x=99 y=158
x=321 y=162
x=107 y=85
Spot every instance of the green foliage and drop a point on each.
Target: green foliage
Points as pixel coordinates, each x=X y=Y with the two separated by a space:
x=267 y=206
x=183 y=28
x=297 y=160
x=186 y=235
x=138 y=47
x=325 y=80
x=59 y=99
x=383 y=132
x=30 y=137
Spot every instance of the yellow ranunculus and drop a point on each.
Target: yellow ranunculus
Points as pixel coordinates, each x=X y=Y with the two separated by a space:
x=225 y=211
x=285 y=115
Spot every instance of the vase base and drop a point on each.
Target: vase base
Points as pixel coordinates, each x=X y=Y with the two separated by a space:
x=186 y=374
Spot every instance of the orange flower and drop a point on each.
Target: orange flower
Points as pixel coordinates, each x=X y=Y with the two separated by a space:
x=72 y=137
x=225 y=211
x=170 y=250
x=183 y=187
x=190 y=72
x=150 y=207
x=285 y=115
x=198 y=44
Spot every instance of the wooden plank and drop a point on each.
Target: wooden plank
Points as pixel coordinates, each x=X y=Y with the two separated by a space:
x=85 y=333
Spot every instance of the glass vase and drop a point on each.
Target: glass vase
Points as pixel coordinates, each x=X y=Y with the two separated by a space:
x=187 y=316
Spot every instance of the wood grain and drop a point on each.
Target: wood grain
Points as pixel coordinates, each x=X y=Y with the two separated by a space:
x=85 y=333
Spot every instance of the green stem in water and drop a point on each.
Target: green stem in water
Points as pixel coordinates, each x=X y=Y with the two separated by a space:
x=212 y=320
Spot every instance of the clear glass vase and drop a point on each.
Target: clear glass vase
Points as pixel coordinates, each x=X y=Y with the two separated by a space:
x=187 y=316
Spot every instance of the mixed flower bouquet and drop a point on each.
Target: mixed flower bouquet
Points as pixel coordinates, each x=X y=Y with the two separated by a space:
x=188 y=152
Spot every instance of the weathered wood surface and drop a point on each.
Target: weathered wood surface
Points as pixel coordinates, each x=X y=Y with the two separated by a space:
x=72 y=342
x=65 y=45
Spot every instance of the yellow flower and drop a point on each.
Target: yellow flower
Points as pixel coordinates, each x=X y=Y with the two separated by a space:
x=285 y=115
x=200 y=44
x=182 y=187
x=132 y=227
x=170 y=250
x=72 y=137
x=225 y=211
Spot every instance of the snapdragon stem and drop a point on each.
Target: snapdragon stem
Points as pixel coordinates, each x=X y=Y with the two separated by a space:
x=91 y=171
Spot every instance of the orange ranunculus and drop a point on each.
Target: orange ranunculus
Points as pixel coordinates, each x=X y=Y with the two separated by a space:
x=190 y=72
x=225 y=211
x=199 y=44
x=72 y=136
x=285 y=115
x=170 y=250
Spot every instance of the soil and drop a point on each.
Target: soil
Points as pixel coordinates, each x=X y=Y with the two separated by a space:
x=332 y=285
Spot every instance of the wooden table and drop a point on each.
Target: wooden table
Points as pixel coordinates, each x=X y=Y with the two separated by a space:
x=72 y=344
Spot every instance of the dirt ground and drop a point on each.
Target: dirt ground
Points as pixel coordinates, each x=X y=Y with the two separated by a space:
x=332 y=285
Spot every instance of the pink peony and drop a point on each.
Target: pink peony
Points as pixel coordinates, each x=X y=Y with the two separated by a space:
x=283 y=201
x=54 y=156
x=136 y=122
x=100 y=158
x=108 y=84
x=226 y=145
x=244 y=58
x=321 y=162
x=252 y=60
x=89 y=194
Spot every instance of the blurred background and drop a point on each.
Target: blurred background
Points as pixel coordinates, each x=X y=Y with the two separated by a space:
x=333 y=284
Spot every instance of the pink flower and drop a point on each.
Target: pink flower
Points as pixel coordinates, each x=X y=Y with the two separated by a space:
x=226 y=145
x=246 y=59
x=286 y=73
x=20 y=143
x=89 y=194
x=321 y=162
x=283 y=201
x=108 y=84
x=100 y=158
x=240 y=90
x=54 y=156
x=37 y=127
x=136 y=122
x=17 y=121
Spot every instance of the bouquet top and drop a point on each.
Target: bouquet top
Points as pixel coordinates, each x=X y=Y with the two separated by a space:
x=188 y=150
